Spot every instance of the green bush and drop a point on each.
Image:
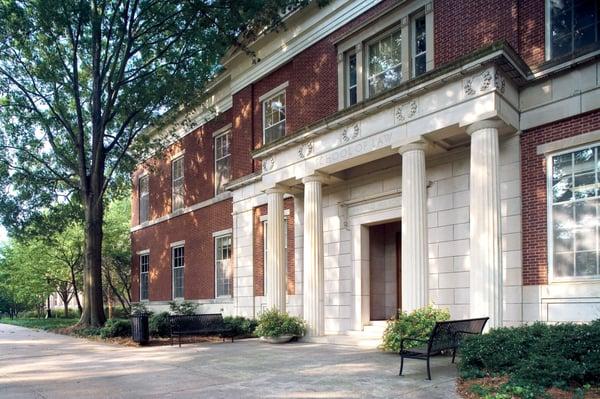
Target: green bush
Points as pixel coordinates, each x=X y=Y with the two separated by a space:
x=116 y=328
x=242 y=327
x=139 y=308
x=183 y=308
x=417 y=324
x=539 y=355
x=273 y=323
x=159 y=325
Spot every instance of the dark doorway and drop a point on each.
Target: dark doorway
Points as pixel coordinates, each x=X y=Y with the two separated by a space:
x=385 y=270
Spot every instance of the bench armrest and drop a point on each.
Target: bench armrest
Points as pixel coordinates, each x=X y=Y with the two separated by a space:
x=411 y=339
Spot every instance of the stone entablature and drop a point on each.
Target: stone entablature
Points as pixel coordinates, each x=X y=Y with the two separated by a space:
x=434 y=109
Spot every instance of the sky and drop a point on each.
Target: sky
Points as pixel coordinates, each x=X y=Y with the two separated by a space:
x=2 y=234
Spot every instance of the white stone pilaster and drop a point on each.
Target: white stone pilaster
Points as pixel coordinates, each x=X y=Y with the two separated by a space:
x=276 y=262
x=314 y=286
x=414 y=227
x=485 y=223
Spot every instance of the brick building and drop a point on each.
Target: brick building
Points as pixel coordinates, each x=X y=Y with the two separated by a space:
x=385 y=155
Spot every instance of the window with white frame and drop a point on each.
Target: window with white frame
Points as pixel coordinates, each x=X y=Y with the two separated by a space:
x=177 y=183
x=144 y=196
x=574 y=206
x=419 y=44
x=222 y=162
x=351 y=78
x=223 y=266
x=178 y=263
x=571 y=25
x=266 y=245
x=274 y=118
x=384 y=66
x=144 y=273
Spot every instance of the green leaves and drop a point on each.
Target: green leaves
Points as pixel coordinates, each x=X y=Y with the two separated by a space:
x=274 y=323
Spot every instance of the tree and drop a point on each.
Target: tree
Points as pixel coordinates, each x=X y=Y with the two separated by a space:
x=81 y=79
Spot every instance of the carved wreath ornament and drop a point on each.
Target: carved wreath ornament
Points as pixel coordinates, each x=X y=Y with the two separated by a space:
x=406 y=111
x=483 y=82
x=350 y=133
x=268 y=164
x=305 y=149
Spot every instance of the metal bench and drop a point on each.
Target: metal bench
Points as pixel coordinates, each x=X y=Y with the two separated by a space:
x=199 y=324
x=446 y=336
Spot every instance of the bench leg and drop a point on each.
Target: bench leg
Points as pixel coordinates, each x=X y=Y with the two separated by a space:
x=428 y=371
x=453 y=355
x=401 y=364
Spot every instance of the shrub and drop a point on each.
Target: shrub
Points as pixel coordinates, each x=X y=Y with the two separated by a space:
x=242 y=327
x=273 y=323
x=536 y=355
x=139 y=308
x=116 y=328
x=183 y=308
x=417 y=324
x=159 y=325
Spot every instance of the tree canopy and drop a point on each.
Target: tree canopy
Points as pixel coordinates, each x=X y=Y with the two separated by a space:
x=80 y=80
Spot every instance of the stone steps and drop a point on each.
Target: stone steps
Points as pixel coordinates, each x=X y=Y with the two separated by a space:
x=370 y=337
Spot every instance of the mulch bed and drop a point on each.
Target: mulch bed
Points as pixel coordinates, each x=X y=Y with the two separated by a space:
x=463 y=388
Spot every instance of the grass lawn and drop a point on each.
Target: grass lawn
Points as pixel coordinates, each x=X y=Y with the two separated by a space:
x=41 y=324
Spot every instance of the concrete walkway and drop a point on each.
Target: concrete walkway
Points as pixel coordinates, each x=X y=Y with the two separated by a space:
x=36 y=364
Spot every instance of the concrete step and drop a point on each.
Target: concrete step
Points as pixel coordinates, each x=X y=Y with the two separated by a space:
x=374 y=329
x=348 y=340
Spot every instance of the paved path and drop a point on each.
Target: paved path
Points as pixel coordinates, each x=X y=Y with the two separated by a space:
x=35 y=364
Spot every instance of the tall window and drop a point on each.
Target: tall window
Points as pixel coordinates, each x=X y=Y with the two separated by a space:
x=144 y=195
x=574 y=201
x=224 y=269
x=351 y=79
x=178 y=262
x=419 y=45
x=222 y=162
x=572 y=25
x=266 y=249
x=385 y=63
x=144 y=269
x=177 y=183
x=274 y=118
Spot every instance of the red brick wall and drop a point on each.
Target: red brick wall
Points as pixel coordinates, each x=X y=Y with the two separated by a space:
x=196 y=228
x=533 y=188
x=198 y=171
x=258 y=249
x=476 y=23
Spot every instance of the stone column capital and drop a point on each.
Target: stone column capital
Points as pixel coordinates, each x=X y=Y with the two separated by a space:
x=484 y=124
x=414 y=146
x=277 y=189
x=317 y=176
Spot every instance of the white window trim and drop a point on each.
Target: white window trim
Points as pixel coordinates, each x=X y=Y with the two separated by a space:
x=223 y=133
x=347 y=76
x=222 y=130
x=140 y=254
x=549 y=220
x=177 y=155
x=273 y=92
x=413 y=44
x=215 y=239
x=140 y=178
x=276 y=94
x=366 y=67
x=182 y=178
x=173 y=247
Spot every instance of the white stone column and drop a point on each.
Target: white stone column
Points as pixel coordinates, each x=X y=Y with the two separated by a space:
x=276 y=262
x=314 y=285
x=485 y=223
x=414 y=227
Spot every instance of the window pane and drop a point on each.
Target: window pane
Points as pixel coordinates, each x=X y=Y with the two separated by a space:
x=144 y=199
x=573 y=25
x=385 y=63
x=274 y=109
x=585 y=263
x=353 y=98
x=562 y=181
x=352 y=70
x=224 y=271
x=420 y=65
x=563 y=265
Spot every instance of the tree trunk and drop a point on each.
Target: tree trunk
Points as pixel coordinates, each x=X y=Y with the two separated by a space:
x=66 y=305
x=75 y=290
x=93 y=311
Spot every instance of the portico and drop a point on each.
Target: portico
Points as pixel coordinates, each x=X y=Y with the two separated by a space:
x=433 y=163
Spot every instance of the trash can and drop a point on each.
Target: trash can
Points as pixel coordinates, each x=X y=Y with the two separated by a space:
x=139 y=328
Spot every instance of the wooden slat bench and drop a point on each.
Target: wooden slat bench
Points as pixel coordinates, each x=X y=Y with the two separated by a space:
x=199 y=325
x=446 y=335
